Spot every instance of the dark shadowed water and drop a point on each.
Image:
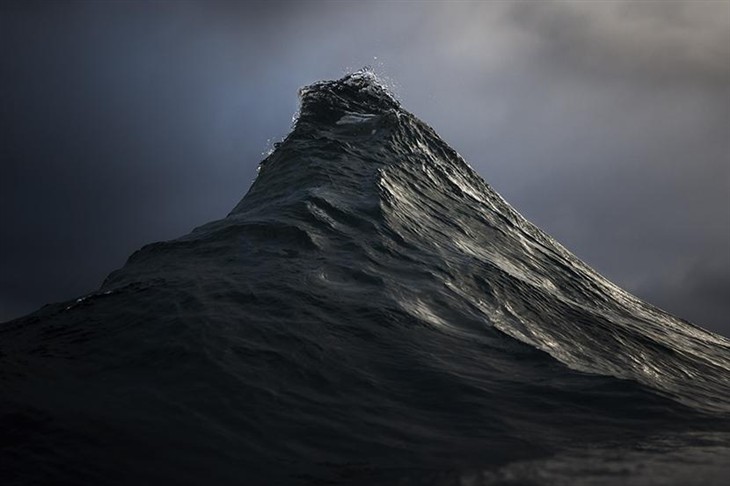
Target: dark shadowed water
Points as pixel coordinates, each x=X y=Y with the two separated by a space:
x=370 y=313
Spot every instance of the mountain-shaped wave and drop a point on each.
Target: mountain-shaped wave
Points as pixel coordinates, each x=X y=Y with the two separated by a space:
x=371 y=309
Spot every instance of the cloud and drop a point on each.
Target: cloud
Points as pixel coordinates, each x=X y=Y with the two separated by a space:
x=655 y=42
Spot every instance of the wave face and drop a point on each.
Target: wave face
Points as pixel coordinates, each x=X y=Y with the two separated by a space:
x=371 y=312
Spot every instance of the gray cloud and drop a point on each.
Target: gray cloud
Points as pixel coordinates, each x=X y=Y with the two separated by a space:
x=605 y=123
x=670 y=43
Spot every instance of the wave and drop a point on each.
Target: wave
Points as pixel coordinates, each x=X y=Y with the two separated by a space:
x=370 y=312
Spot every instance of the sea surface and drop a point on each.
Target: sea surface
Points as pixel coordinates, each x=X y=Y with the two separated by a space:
x=371 y=312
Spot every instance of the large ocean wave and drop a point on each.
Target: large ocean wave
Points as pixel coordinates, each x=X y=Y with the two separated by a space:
x=370 y=312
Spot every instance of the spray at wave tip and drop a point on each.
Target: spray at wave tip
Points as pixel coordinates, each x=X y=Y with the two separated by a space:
x=375 y=76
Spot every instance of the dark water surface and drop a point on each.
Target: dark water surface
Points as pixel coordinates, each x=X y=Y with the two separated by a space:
x=371 y=312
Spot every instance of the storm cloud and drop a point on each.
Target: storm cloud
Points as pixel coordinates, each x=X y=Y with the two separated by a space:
x=605 y=123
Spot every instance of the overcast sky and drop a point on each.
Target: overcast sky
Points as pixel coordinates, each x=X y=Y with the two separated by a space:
x=607 y=124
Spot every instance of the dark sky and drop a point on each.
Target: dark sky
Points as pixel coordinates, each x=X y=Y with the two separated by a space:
x=605 y=123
